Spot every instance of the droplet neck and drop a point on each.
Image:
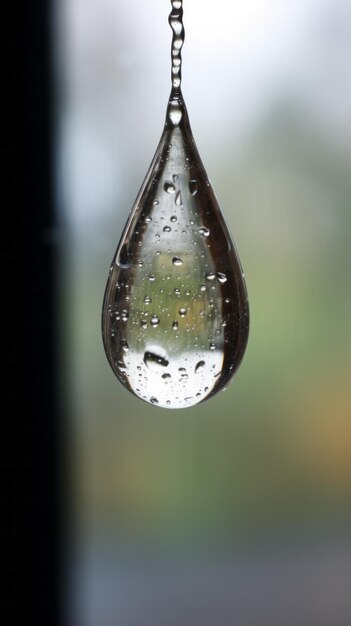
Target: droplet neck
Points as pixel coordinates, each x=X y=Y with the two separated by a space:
x=176 y=23
x=177 y=114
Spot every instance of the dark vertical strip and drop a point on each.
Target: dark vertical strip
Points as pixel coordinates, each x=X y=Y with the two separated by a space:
x=29 y=453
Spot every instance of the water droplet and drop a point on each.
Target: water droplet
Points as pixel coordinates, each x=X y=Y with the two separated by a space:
x=199 y=367
x=121 y=366
x=204 y=231
x=193 y=187
x=178 y=199
x=221 y=278
x=167 y=225
x=169 y=187
x=155 y=320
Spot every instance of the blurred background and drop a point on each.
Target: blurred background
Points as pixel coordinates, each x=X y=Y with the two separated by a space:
x=235 y=512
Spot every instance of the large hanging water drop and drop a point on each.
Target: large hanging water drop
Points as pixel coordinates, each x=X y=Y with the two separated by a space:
x=175 y=316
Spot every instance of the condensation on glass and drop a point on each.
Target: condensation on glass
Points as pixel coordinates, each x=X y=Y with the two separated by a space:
x=175 y=316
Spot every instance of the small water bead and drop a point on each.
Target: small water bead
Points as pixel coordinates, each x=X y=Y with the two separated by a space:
x=178 y=199
x=120 y=365
x=175 y=191
x=193 y=187
x=169 y=187
x=221 y=278
x=199 y=367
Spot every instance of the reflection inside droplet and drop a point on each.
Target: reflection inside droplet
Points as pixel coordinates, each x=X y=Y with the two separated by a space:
x=155 y=362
